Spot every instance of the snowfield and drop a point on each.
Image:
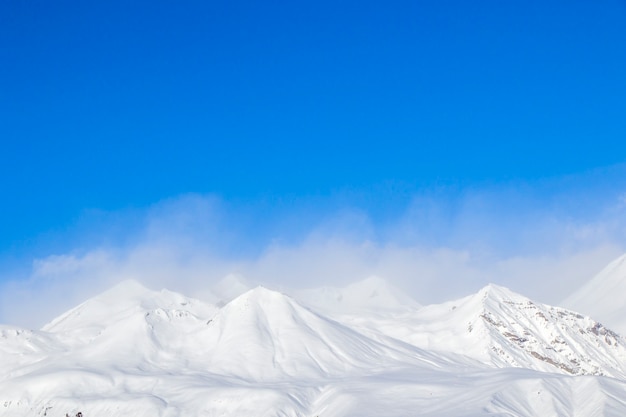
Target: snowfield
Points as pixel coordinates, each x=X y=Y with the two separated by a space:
x=364 y=350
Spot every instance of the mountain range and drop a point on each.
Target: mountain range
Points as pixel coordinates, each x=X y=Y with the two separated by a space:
x=363 y=350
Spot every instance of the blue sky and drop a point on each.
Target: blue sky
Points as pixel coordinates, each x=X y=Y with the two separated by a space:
x=442 y=124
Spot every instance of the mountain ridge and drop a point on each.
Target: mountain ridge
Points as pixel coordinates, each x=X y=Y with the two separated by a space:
x=135 y=351
x=503 y=328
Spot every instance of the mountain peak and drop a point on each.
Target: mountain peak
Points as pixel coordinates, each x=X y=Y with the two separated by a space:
x=505 y=329
x=261 y=304
x=371 y=295
x=530 y=334
x=120 y=303
x=120 y=297
x=264 y=333
x=262 y=291
x=499 y=293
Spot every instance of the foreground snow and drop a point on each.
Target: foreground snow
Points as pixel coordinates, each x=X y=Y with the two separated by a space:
x=402 y=392
x=136 y=352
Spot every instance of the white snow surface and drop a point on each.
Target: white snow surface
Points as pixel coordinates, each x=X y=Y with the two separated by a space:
x=136 y=352
x=604 y=296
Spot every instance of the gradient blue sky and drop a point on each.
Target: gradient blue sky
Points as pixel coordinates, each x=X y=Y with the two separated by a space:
x=292 y=114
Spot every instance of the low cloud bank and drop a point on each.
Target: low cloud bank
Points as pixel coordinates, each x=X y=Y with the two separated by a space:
x=444 y=244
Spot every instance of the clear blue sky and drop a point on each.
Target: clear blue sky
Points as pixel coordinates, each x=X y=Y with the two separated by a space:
x=110 y=105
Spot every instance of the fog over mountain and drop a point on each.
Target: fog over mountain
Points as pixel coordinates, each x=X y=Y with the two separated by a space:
x=603 y=296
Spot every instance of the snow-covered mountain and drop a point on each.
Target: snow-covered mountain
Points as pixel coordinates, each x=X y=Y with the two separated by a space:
x=121 y=303
x=134 y=351
x=503 y=329
x=604 y=296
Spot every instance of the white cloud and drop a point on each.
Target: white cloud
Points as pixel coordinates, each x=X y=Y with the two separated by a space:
x=445 y=245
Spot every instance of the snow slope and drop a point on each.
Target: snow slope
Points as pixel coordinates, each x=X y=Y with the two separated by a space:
x=21 y=347
x=133 y=351
x=405 y=392
x=604 y=296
